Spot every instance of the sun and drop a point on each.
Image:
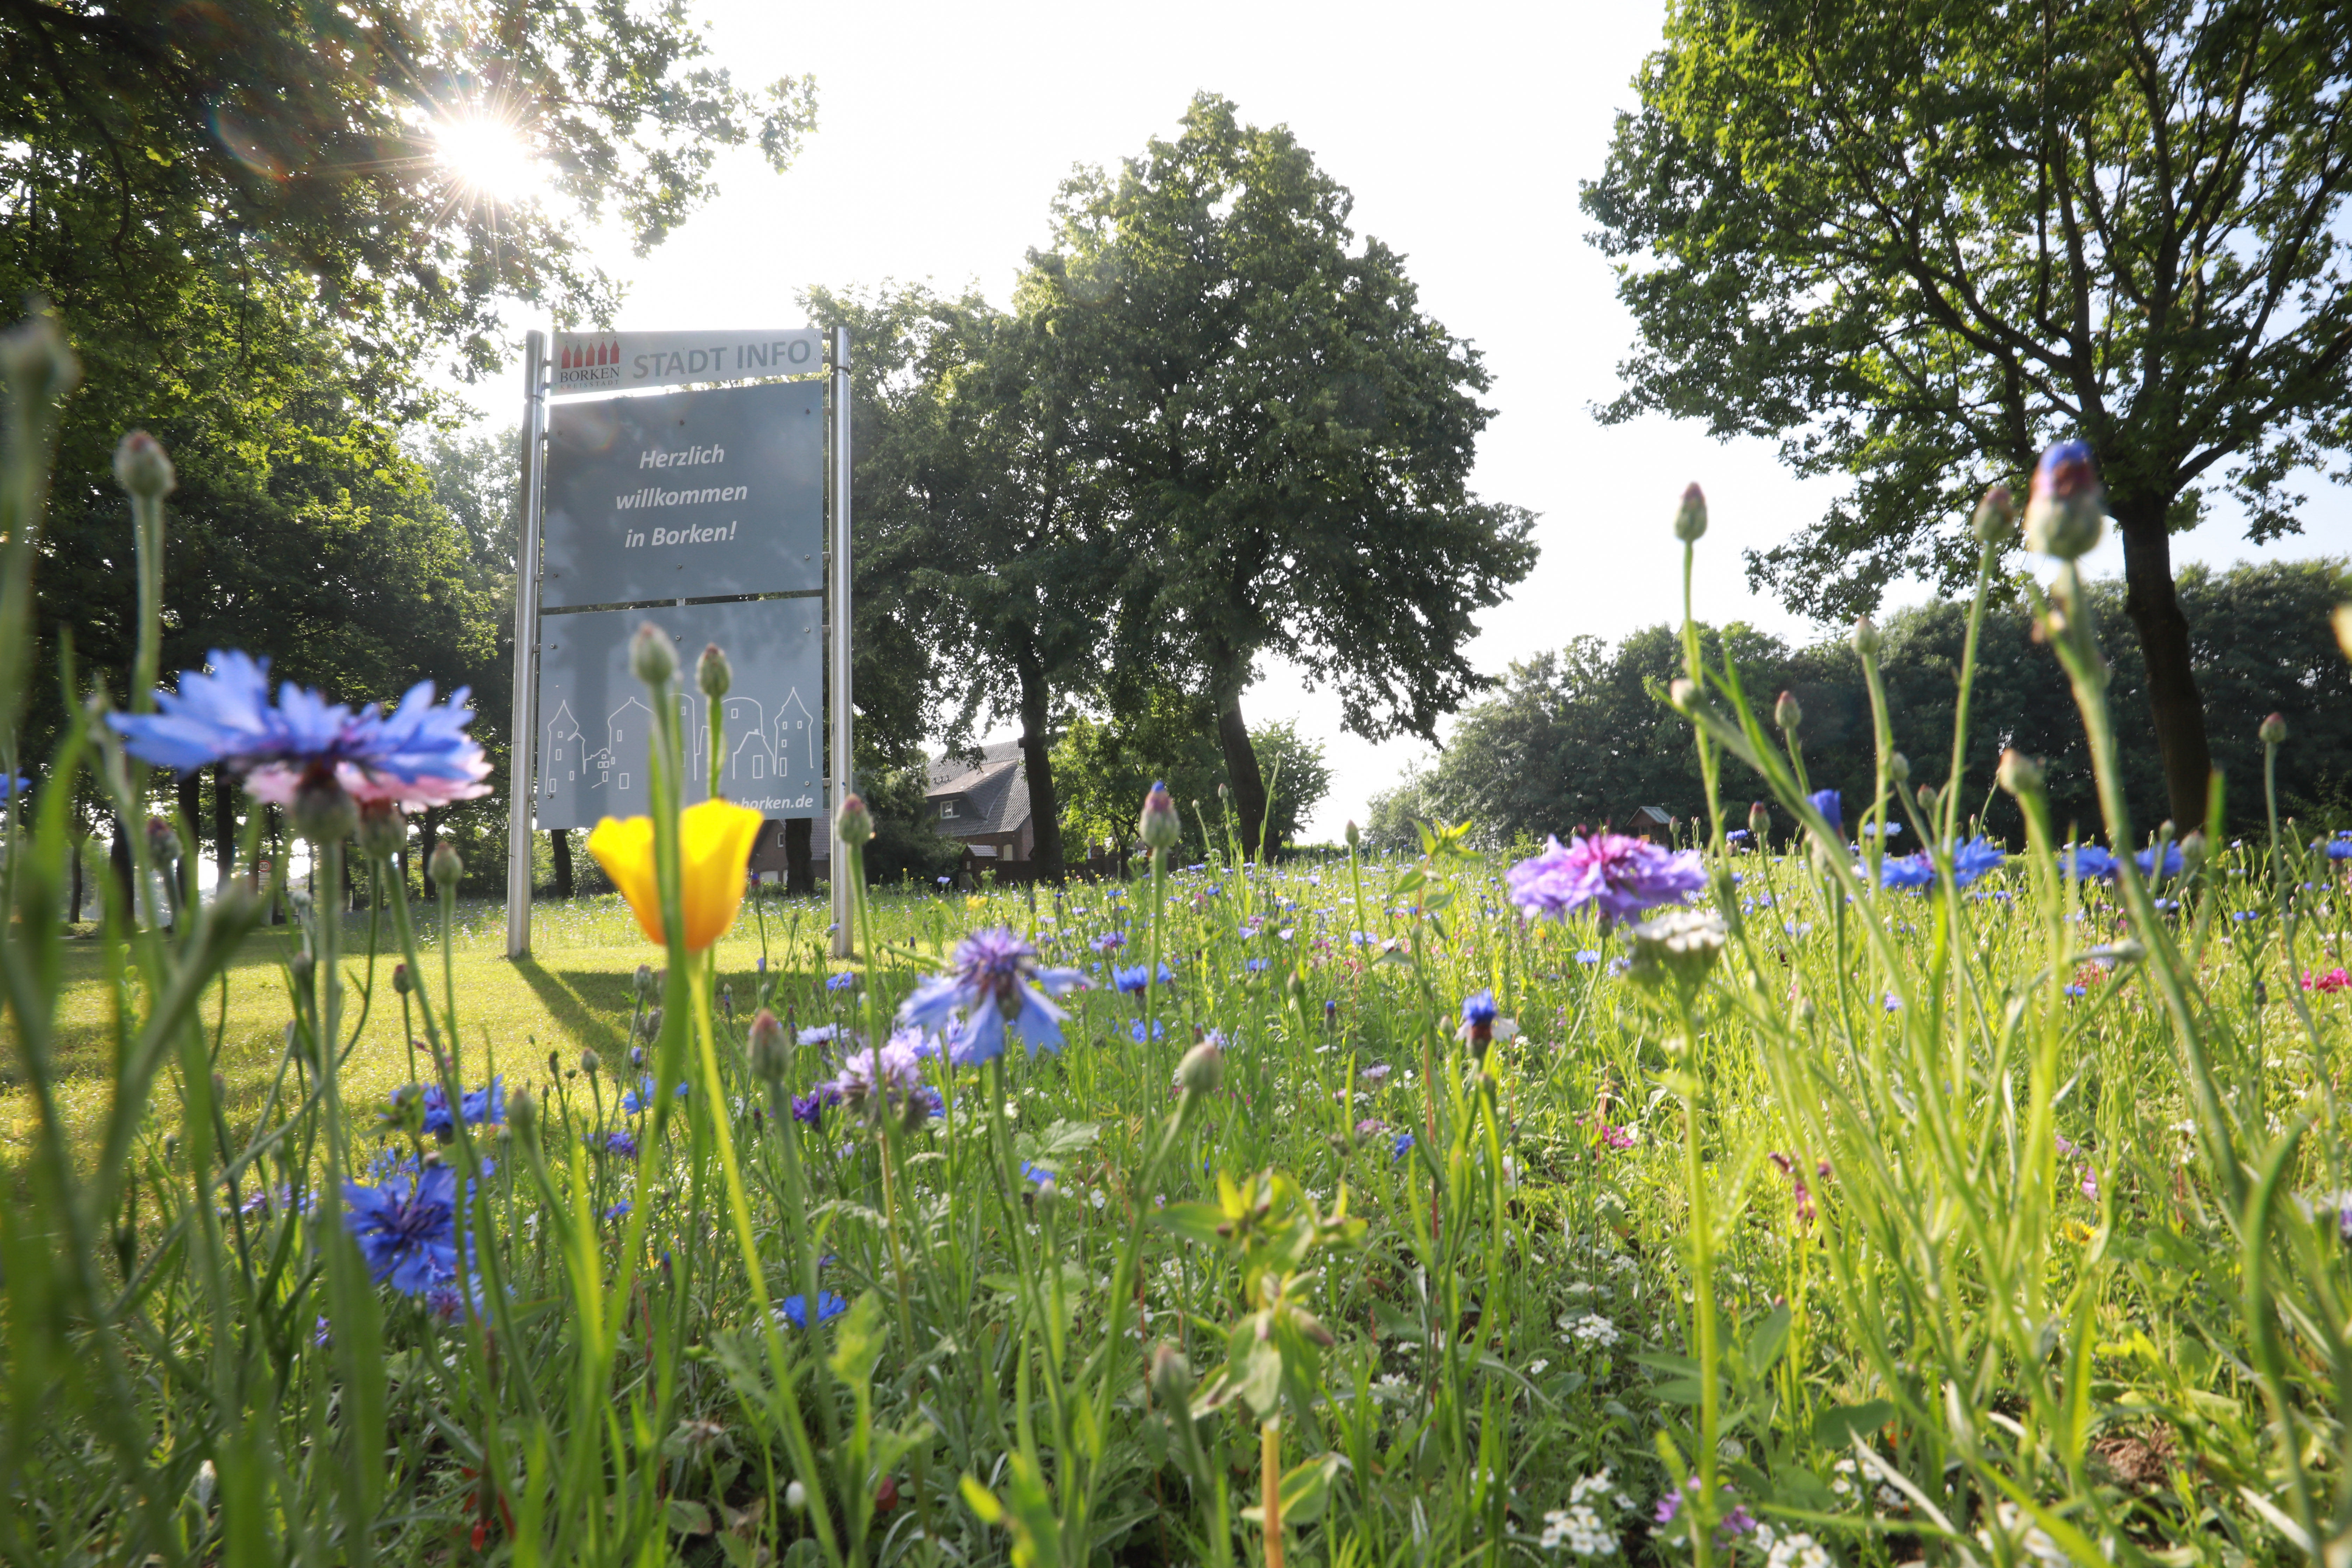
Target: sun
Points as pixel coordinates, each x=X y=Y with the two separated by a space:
x=487 y=155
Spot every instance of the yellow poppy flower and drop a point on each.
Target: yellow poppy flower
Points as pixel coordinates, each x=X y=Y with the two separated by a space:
x=715 y=844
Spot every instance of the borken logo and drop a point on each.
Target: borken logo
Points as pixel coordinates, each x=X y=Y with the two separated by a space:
x=590 y=364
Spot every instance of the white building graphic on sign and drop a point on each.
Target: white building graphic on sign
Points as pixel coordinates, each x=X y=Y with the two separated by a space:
x=764 y=748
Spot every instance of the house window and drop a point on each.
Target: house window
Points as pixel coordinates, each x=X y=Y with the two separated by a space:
x=947 y=809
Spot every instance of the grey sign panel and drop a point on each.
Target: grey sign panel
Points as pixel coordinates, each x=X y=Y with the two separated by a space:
x=688 y=495
x=595 y=724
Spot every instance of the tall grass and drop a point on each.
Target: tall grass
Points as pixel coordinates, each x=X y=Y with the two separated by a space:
x=2003 y=1222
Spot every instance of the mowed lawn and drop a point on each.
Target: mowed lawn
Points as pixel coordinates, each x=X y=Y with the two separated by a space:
x=575 y=990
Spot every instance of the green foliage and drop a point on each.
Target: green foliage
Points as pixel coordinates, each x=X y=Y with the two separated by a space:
x=1582 y=737
x=907 y=841
x=1104 y=766
x=1284 y=438
x=1917 y=244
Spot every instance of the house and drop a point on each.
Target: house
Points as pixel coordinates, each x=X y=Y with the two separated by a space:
x=982 y=799
x=1651 y=822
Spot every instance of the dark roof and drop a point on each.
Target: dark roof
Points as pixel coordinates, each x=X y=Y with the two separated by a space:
x=990 y=780
x=1652 y=814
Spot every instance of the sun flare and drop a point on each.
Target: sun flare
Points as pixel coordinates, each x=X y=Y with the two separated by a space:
x=488 y=156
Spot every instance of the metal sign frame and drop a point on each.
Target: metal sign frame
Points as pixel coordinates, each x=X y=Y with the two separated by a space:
x=522 y=755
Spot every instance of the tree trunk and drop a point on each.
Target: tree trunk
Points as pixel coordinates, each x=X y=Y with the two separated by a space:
x=189 y=787
x=80 y=847
x=559 y=841
x=1036 y=762
x=223 y=824
x=2172 y=698
x=428 y=834
x=800 y=859
x=1241 y=760
x=120 y=858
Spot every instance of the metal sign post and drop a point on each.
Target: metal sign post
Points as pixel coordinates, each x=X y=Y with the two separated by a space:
x=837 y=693
x=519 y=737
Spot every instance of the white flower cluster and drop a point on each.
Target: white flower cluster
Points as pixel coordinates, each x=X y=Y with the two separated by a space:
x=1580 y=1526
x=1590 y=1329
x=1797 y=1551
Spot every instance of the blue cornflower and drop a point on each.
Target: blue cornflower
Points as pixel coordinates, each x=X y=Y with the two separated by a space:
x=2082 y=861
x=1110 y=942
x=809 y=1109
x=1037 y=1173
x=619 y=1210
x=1907 y=873
x=1870 y=830
x=417 y=755
x=1588 y=956
x=1974 y=858
x=996 y=983
x=2146 y=860
x=618 y=1141
x=1135 y=1030
x=407 y=1230
x=1132 y=978
x=2340 y=849
x=2078 y=991
x=829 y=1305
x=1825 y=801
x=1255 y=965
x=1893 y=1003
x=635 y=1102
x=1400 y=1148
x=12 y=785
x=1479 y=1011
x=841 y=982
x=819 y=1034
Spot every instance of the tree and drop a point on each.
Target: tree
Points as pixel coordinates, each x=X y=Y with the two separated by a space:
x=990 y=519
x=1285 y=437
x=1916 y=244
x=1296 y=777
x=1105 y=765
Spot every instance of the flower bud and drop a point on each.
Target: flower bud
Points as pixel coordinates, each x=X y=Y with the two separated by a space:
x=321 y=812
x=1047 y=1199
x=1866 y=638
x=652 y=659
x=590 y=1062
x=2066 y=511
x=1356 y=835
x=771 y=1051
x=1171 y=1379
x=447 y=868
x=712 y=674
x=1690 y=518
x=2019 y=773
x=1927 y=799
x=522 y=1118
x=1787 y=712
x=796 y=1498
x=1996 y=518
x=35 y=363
x=2273 y=729
x=1898 y=767
x=1201 y=1070
x=163 y=843
x=2195 y=851
x=1158 y=826
x=141 y=466
x=854 y=822
x=1682 y=694
x=1759 y=822
x=644 y=981
x=384 y=831
x=300 y=967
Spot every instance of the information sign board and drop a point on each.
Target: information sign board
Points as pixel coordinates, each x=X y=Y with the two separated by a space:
x=595 y=725
x=687 y=495
x=631 y=361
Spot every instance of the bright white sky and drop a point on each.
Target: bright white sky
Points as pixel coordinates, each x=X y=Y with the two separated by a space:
x=945 y=128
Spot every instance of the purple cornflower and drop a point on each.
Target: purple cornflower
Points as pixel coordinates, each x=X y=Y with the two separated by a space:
x=996 y=982
x=1825 y=801
x=407 y=1230
x=809 y=1109
x=1371 y=1126
x=618 y=1211
x=1375 y=1075
x=876 y=1077
x=1110 y=942
x=829 y=1304
x=618 y=1141
x=1621 y=876
x=417 y=755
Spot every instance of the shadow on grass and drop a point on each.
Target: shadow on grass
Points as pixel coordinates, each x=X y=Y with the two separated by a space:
x=570 y=994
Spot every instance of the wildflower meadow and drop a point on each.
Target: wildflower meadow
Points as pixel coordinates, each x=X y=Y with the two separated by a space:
x=1778 y=1198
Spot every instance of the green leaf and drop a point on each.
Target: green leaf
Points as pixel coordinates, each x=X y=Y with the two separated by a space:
x=1837 y=1428
x=1195 y=1222
x=1306 y=1490
x=857 y=1338
x=981 y=1501
x=1766 y=1343
x=1258 y=1376
x=688 y=1518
